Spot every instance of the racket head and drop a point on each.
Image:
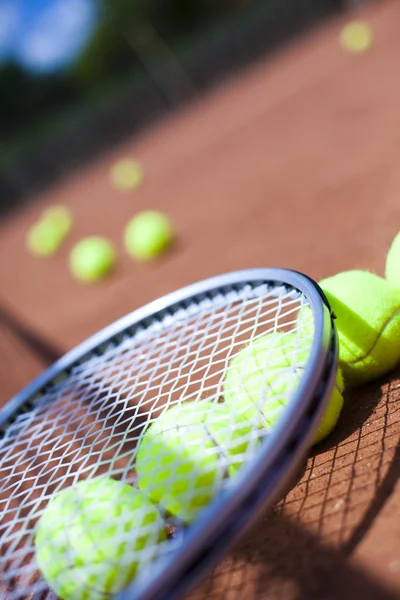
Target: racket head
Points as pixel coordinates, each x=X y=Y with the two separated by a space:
x=259 y=483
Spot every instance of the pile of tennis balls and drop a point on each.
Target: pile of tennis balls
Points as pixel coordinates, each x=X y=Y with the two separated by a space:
x=367 y=310
x=145 y=237
x=94 y=538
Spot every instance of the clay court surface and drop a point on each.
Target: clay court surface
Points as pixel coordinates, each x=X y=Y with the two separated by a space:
x=294 y=163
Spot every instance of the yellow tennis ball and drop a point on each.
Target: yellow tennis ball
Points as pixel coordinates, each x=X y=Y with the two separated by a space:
x=127 y=174
x=367 y=308
x=185 y=455
x=272 y=411
x=393 y=263
x=261 y=377
x=333 y=410
x=94 y=537
x=46 y=235
x=43 y=239
x=148 y=235
x=60 y=217
x=91 y=259
x=268 y=366
x=356 y=37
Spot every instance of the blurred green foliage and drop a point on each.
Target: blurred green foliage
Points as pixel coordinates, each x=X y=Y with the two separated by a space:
x=109 y=52
x=26 y=100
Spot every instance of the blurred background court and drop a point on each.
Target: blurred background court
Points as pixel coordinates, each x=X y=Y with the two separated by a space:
x=267 y=143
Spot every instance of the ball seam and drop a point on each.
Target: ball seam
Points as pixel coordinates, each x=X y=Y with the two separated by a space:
x=378 y=337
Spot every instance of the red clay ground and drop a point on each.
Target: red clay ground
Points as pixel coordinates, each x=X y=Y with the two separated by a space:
x=295 y=163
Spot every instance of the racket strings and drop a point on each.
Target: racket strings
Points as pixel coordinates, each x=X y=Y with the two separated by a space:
x=90 y=420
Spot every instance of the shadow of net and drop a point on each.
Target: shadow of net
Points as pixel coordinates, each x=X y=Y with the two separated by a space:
x=300 y=550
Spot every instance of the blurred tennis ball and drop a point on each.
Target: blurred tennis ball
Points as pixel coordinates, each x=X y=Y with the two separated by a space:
x=392 y=271
x=92 y=259
x=356 y=37
x=94 y=537
x=46 y=235
x=148 y=235
x=60 y=217
x=185 y=455
x=43 y=239
x=367 y=308
x=127 y=174
x=262 y=376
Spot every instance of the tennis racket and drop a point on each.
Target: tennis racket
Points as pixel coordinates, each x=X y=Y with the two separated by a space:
x=226 y=380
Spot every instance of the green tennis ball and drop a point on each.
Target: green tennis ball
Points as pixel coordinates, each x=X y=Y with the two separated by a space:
x=91 y=259
x=46 y=235
x=94 y=537
x=60 y=218
x=261 y=377
x=185 y=455
x=268 y=366
x=148 y=235
x=43 y=239
x=393 y=263
x=272 y=411
x=367 y=308
x=332 y=412
x=127 y=174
